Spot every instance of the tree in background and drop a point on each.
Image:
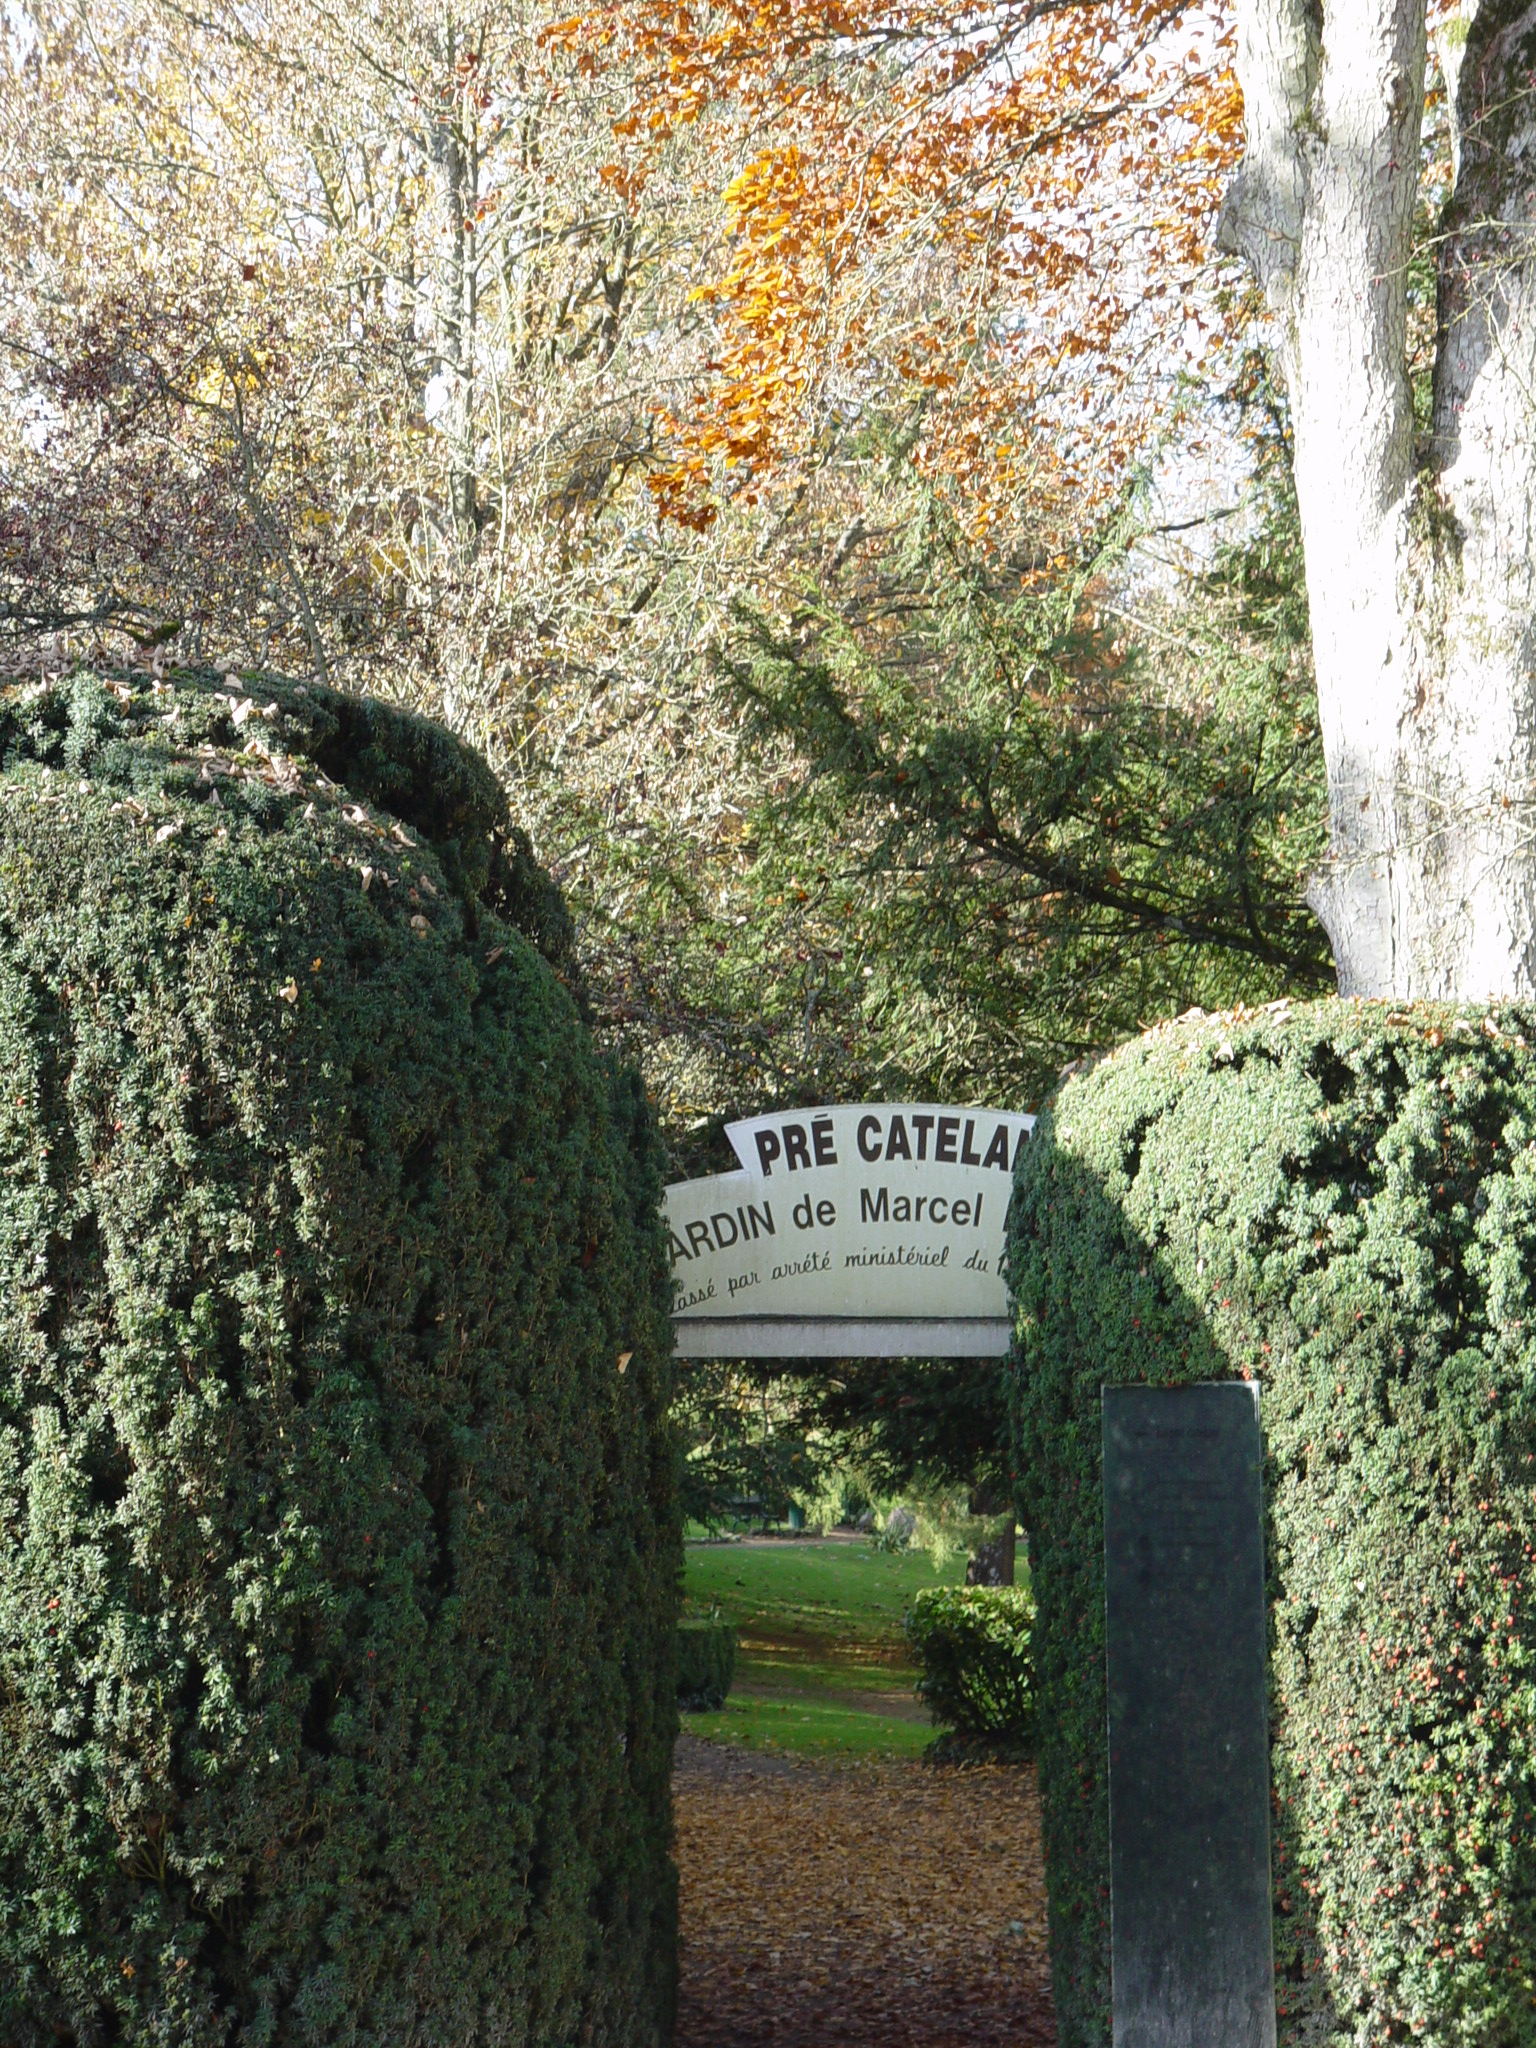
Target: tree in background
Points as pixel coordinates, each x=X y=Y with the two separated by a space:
x=334 y=341
x=492 y=360
x=748 y=1455
x=1049 y=838
x=919 y=1422
x=945 y=217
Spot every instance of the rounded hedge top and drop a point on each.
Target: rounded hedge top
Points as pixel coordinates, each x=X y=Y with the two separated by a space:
x=337 y=1540
x=1338 y=1201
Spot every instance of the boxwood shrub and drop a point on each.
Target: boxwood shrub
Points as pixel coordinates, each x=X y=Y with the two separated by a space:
x=706 y=1664
x=338 y=1548
x=973 y=1644
x=1339 y=1202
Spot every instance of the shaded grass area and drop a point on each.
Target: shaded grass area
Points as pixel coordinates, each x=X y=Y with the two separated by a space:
x=823 y=1668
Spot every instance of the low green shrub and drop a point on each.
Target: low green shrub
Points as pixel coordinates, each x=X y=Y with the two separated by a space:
x=1339 y=1202
x=973 y=1643
x=338 y=1542
x=706 y=1664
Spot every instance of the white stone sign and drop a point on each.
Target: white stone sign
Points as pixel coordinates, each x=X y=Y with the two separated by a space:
x=872 y=1229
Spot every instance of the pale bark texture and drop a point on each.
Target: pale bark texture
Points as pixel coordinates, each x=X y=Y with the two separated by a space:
x=1418 y=545
x=454 y=297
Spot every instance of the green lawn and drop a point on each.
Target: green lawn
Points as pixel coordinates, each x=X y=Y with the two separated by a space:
x=804 y=1725
x=823 y=1667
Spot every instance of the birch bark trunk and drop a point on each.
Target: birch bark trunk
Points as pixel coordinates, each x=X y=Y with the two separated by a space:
x=1418 y=548
x=455 y=294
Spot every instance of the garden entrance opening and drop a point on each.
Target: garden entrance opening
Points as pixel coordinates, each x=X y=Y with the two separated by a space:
x=835 y=1887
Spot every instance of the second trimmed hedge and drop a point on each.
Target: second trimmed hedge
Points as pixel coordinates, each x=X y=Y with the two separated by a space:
x=1339 y=1202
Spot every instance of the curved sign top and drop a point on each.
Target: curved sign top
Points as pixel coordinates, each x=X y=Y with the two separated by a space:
x=872 y=1228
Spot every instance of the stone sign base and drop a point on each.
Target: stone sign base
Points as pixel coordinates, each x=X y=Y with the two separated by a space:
x=1189 y=1885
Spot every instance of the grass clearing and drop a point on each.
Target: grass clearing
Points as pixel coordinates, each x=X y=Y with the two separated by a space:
x=805 y=1726
x=823 y=1668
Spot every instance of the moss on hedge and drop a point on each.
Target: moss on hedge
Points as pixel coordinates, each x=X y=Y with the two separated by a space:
x=1339 y=1201
x=338 y=1546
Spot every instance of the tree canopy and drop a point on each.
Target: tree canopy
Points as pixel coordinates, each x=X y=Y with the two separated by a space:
x=612 y=381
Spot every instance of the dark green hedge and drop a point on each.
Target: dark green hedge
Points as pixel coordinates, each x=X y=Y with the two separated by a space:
x=706 y=1663
x=338 y=1546
x=1340 y=1202
x=973 y=1644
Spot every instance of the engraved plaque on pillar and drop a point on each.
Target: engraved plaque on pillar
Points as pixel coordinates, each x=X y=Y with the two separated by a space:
x=1190 y=1931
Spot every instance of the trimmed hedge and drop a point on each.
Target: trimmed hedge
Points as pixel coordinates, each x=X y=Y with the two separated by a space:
x=1340 y=1202
x=338 y=1543
x=973 y=1643
x=706 y=1664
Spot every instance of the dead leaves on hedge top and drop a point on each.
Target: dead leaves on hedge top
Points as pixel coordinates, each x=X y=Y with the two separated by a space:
x=209 y=755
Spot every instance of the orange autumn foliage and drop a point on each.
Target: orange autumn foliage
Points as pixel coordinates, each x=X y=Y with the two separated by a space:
x=1000 y=221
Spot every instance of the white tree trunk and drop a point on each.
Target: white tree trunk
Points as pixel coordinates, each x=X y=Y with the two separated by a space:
x=1419 y=557
x=455 y=296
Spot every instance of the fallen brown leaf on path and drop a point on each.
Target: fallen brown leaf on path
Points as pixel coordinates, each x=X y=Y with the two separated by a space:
x=868 y=1906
